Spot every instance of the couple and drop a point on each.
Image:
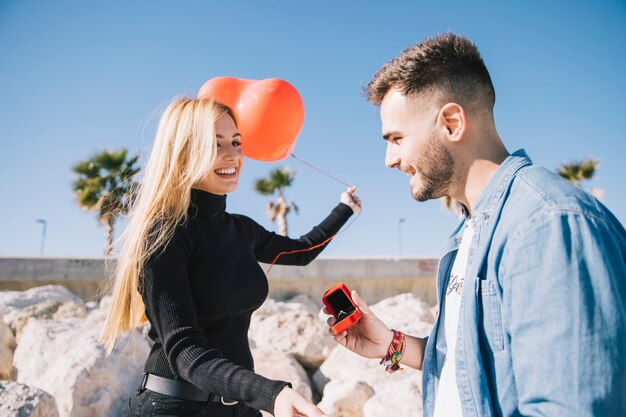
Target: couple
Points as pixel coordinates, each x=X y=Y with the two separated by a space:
x=531 y=289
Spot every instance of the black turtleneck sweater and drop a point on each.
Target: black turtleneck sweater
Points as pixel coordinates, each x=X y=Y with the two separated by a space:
x=201 y=290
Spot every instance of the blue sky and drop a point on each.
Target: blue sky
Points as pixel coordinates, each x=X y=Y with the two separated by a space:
x=79 y=77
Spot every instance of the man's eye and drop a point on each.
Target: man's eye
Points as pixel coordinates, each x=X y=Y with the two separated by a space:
x=236 y=143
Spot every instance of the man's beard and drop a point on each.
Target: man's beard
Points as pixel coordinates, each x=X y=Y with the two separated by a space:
x=435 y=168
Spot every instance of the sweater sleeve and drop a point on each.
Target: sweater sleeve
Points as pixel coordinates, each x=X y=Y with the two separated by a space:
x=170 y=309
x=269 y=244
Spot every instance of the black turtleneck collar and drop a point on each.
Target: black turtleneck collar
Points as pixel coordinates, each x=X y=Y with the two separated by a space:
x=207 y=204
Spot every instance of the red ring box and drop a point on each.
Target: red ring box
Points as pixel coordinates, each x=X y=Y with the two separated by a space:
x=339 y=303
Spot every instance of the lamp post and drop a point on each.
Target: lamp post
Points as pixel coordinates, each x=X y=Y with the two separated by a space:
x=400 y=221
x=43 y=234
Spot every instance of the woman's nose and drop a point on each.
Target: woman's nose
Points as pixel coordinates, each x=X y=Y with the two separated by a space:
x=231 y=152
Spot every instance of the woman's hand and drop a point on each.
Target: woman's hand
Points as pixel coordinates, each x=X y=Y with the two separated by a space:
x=351 y=200
x=290 y=403
x=369 y=337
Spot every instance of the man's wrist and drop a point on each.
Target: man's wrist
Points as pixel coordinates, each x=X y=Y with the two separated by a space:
x=385 y=346
x=391 y=360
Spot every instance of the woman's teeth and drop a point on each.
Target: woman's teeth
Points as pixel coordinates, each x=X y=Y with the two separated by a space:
x=227 y=171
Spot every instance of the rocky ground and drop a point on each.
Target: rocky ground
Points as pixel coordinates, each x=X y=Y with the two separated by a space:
x=51 y=364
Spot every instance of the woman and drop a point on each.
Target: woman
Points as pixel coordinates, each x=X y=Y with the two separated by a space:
x=195 y=267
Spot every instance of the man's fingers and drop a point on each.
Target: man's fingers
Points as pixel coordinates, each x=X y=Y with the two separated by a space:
x=341 y=337
x=360 y=302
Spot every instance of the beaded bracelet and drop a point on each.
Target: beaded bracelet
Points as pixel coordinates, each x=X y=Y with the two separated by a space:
x=394 y=353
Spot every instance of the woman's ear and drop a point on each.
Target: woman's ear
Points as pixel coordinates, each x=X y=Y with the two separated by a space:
x=452 y=120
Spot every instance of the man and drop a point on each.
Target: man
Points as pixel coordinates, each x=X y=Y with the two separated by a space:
x=532 y=288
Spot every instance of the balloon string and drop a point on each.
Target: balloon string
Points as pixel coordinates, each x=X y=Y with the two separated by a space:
x=312 y=247
x=319 y=170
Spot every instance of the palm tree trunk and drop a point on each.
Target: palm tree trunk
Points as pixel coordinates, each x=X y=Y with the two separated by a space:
x=281 y=215
x=109 y=225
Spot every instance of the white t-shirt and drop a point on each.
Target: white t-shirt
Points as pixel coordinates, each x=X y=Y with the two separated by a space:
x=447 y=400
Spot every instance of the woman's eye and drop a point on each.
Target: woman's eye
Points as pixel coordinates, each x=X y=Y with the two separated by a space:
x=396 y=140
x=236 y=143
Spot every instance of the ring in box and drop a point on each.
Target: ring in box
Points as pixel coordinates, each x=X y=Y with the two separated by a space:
x=339 y=303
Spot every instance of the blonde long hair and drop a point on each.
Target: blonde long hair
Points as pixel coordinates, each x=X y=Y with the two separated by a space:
x=183 y=152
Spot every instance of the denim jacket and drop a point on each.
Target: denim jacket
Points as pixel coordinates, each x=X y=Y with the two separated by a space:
x=542 y=326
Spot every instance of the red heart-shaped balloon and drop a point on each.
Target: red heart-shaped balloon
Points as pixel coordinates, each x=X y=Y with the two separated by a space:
x=269 y=113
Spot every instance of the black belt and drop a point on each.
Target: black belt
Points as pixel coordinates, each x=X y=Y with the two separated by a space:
x=180 y=389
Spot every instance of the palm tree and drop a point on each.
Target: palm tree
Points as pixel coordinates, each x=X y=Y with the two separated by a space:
x=105 y=184
x=576 y=172
x=278 y=180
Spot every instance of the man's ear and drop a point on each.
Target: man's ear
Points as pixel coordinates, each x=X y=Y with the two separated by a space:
x=452 y=120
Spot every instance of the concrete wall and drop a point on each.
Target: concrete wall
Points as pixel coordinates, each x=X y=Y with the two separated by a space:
x=374 y=278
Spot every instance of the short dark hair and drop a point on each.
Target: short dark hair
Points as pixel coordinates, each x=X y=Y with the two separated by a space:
x=449 y=63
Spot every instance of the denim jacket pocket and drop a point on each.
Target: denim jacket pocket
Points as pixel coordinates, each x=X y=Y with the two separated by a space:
x=490 y=316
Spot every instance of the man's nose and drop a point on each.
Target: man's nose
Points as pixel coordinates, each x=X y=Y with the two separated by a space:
x=392 y=160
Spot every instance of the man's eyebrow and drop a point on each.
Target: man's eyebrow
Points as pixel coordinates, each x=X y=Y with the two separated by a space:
x=387 y=135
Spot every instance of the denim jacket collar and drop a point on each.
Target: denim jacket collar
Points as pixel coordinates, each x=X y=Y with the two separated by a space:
x=490 y=196
x=499 y=183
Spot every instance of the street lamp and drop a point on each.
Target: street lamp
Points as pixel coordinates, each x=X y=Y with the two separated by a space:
x=400 y=221
x=43 y=234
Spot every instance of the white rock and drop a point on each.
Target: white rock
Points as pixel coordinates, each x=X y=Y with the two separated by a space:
x=63 y=358
x=99 y=313
x=19 y=400
x=400 y=397
x=405 y=312
x=282 y=367
x=307 y=301
x=12 y=303
x=291 y=327
x=10 y=300
x=91 y=305
x=346 y=399
x=7 y=346
x=46 y=310
x=434 y=311
x=344 y=366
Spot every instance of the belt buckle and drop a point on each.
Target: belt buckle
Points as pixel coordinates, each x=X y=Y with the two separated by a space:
x=229 y=403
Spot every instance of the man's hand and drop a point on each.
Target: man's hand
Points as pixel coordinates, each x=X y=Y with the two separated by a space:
x=369 y=337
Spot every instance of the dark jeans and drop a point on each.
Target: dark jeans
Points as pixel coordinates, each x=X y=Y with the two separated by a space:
x=150 y=404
